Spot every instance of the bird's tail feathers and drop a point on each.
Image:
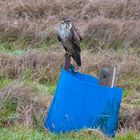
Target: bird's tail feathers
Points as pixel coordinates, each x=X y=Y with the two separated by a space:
x=77 y=58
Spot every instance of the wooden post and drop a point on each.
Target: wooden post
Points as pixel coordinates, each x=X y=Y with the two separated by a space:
x=107 y=76
x=67 y=62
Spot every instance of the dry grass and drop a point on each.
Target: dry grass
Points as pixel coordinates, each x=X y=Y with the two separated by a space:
x=46 y=66
x=103 y=24
x=126 y=61
x=106 y=20
x=121 y=9
x=114 y=32
x=43 y=65
x=129 y=119
x=30 y=107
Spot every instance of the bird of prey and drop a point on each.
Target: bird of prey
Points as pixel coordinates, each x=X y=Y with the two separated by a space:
x=69 y=36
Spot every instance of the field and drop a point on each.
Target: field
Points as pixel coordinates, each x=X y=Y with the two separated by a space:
x=31 y=59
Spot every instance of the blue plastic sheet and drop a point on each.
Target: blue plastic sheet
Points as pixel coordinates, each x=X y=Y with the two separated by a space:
x=80 y=102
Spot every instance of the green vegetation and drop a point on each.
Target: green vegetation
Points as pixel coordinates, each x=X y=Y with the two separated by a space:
x=23 y=133
x=17 y=53
x=3 y=81
x=8 y=112
x=45 y=44
x=30 y=61
x=27 y=75
x=128 y=136
x=46 y=87
x=52 y=88
x=127 y=93
x=12 y=44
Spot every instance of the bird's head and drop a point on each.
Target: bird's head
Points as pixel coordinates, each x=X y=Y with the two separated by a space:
x=66 y=22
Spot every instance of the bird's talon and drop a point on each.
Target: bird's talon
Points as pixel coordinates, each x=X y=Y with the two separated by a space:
x=68 y=54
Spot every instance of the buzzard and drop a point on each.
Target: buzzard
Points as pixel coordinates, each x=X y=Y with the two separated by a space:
x=69 y=36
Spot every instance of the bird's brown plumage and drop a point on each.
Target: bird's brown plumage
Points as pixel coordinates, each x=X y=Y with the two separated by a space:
x=70 y=38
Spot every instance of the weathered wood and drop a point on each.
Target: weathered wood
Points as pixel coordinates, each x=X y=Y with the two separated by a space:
x=67 y=62
x=107 y=76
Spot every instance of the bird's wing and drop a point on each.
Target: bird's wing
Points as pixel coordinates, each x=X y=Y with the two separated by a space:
x=77 y=32
x=75 y=41
x=76 y=38
x=59 y=38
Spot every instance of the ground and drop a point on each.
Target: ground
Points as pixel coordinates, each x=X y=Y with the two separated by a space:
x=31 y=59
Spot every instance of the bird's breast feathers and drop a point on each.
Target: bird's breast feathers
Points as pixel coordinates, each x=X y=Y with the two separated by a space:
x=64 y=31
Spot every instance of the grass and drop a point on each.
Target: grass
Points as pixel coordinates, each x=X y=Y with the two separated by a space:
x=113 y=32
x=8 y=112
x=18 y=52
x=128 y=136
x=44 y=88
x=52 y=88
x=45 y=44
x=23 y=133
x=127 y=93
x=3 y=81
x=38 y=20
x=12 y=44
x=96 y=41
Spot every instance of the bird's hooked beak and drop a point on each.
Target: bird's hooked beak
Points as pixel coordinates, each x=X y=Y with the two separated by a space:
x=66 y=23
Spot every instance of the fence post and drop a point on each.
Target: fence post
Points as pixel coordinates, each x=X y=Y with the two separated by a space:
x=107 y=76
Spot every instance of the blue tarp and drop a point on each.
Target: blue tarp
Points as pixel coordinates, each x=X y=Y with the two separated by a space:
x=80 y=102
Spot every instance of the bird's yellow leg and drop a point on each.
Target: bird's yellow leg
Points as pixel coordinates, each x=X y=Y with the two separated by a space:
x=68 y=53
